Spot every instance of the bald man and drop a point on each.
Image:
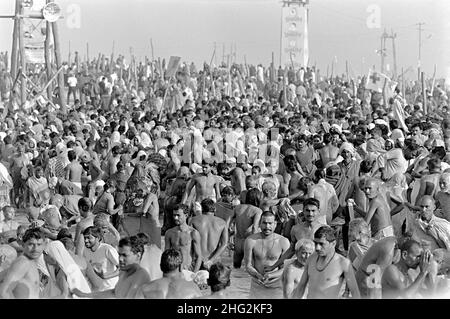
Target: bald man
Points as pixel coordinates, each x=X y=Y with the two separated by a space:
x=379 y=213
x=426 y=228
x=443 y=196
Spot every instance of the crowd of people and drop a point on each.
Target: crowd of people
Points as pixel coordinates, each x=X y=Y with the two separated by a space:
x=143 y=184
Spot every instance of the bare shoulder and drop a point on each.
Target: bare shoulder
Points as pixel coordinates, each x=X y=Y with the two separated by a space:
x=281 y=239
x=219 y=221
x=253 y=238
x=170 y=232
x=194 y=232
x=344 y=261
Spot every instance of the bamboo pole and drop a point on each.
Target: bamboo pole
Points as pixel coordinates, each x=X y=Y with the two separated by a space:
x=62 y=97
x=23 y=62
x=87 y=54
x=424 y=94
x=48 y=56
x=15 y=44
x=153 y=55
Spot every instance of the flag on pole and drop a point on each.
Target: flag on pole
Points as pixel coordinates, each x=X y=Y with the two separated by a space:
x=172 y=67
x=375 y=81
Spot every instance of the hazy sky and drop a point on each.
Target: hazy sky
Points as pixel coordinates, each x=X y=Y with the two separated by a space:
x=189 y=28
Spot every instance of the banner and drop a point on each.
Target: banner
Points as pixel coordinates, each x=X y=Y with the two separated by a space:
x=172 y=67
x=294 y=35
x=34 y=53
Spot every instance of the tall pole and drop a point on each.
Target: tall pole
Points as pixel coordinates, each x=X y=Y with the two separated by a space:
x=69 y=58
x=23 y=62
x=383 y=48
x=424 y=95
x=48 y=57
x=215 y=55
x=346 y=69
x=87 y=52
x=420 y=24
x=394 y=53
x=403 y=84
x=272 y=68
x=62 y=97
x=223 y=53
x=153 y=54
x=15 y=44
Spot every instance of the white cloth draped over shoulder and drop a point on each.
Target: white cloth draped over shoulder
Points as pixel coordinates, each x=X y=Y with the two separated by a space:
x=75 y=278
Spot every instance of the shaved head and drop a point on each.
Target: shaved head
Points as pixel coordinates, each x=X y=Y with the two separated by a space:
x=427 y=206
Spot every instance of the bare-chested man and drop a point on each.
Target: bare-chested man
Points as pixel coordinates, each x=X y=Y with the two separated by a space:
x=326 y=270
x=213 y=233
x=85 y=209
x=293 y=272
x=172 y=285
x=261 y=250
x=246 y=217
x=303 y=229
x=225 y=207
x=185 y=238
x=429 y=184
x=396 y=280
x=379 y=214
x=329 y=152
x=443 y=196
x=205 y=184
x=131 y=277
x=380 y=255
x=73 y=169
x=22 y=278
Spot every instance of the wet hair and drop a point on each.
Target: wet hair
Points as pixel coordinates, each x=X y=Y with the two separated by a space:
x=183 y=207
x=171 y=259
x=219 y=277
x=33 y=233
x=303 y=184
x=71 y=155
x=327 y=232
x=407 y=243
x=134 y=243
x=267 y=214
x=319 y=174
x=64 y=233
x=227 y=190
x=254 y=197
x=366 y=166
x=109 y=183
x=93 y=231
x=289 y=159
x=84 y=204
x=439 y=151
x=311 y=201
x=327 y=138
x=208 y=206
x=144 y=238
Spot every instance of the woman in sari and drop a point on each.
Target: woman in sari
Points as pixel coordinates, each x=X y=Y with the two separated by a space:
x=65 y=274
